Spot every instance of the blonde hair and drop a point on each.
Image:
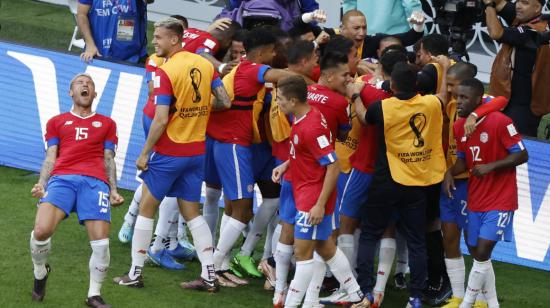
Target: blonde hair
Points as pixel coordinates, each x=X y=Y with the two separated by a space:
x=80 y=75
x=171 y=24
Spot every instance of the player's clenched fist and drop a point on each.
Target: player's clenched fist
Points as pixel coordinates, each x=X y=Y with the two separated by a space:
x=115 y=198
x=37 y=190
x=141 y=162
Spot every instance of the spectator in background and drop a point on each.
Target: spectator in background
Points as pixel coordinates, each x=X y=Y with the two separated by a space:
x=114 y=29
x=518 y=71
x=388 y=16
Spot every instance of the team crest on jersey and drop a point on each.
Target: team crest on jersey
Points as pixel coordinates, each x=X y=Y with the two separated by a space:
x=296 y=139
x=96 y=124
x=250 y=188
x=484 y=137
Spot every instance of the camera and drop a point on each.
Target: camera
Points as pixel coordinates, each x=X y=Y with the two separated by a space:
x=455 y=19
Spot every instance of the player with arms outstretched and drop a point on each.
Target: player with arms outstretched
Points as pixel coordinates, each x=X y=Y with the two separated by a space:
x=78 y=175
x=490 y=154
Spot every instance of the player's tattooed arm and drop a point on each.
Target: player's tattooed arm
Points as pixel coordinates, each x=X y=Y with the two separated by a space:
x=110 y=170
x=221 y=100
x=47 y=167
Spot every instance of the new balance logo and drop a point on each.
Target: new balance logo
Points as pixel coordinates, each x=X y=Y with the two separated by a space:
x=68 y=122
x=303 y=230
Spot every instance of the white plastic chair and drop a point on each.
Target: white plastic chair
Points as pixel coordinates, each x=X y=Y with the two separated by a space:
x=74 y=41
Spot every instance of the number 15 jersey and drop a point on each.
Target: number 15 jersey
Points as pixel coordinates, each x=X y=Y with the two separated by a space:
x=81 y=143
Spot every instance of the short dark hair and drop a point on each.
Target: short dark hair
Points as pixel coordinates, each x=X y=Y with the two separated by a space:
x=436 y=44
x=390 y=57
x=463 y=70
x=299 y=50
x=474 y=84
x=293 y=86
x=258 y=37
x=240 y=35
x=403 y=77
x=340 y=43
x=300 y=30
x=182 y=19
x=332 y=59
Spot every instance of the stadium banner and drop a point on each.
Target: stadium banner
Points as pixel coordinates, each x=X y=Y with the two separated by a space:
x=35 y=83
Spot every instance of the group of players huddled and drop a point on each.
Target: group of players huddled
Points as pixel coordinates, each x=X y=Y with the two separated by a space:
x=353 y=143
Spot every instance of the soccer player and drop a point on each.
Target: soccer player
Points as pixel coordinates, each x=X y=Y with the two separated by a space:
x=172 y=159
x=490 y=155
x=78 y=175
x=302 y=59
x=410 y=159
x=311 y=149
x=232 y=132
x=453 y=210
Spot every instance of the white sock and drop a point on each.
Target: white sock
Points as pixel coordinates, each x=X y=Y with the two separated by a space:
x=39 y=255
x=475 y=282
x=99 y=264
x=211 y=210
x=314 y=287
x=385 y=262
x=168 y=220
x=489 y=287
x=339 y=266
x=262 y=219
x=227 y=259
x=133 y=209
x=302 y=277
x=228 y=237
x=143 y=232
x=268 y=250
x=346 y=243
x=203 y=245
x=276 y=236
x=402 y=254
x=457 y=275
x=223 y=223
x=282 y=255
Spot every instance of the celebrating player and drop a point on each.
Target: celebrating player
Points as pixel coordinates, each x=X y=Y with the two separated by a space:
x=490 y=154
x=172 y=158
x=78 y=175
x=314 y=192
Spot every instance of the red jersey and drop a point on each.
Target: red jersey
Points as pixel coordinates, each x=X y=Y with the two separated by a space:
x=311 y=150
x=333 y=106
x=235 y=125
x=198 y=41
x=364 y=158
x=494 y=138
x=81 y=143
x=153 y=62
x=316 y=74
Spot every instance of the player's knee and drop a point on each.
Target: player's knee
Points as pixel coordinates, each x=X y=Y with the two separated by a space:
x=42 y=232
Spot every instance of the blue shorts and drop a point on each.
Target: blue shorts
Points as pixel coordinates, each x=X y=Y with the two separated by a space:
x=263 y=161
x=173 y=176
x=304 y=231
x=493 y=226
x=210 y=172
x=354 y=194
x=87 y=196
x=146 y=121
x=454 y=210
x=287 y=206
x=340 y=185
x=234 y=166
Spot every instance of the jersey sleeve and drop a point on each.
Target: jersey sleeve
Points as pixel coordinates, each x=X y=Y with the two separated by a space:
x=86 y=2
x=52 y=135
x=150 y=67
x=458 y=132
x=318 y=141
x=344 y=115
x=111 y=139
x=491 y=104
x=208 y=46
x=259 y=72
x=163 y=92
x=216 y=81
x=509 y=136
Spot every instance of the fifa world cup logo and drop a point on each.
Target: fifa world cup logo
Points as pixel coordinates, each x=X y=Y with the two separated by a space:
x=417 y=123
x=196 y=78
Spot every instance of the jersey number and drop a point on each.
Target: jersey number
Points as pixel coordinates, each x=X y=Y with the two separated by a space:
x=503 y=219
x=81 y=133
x=475 y=153
x=302 y=220
x=103 y=202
